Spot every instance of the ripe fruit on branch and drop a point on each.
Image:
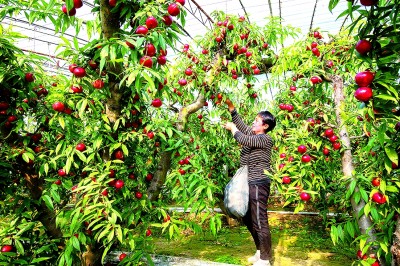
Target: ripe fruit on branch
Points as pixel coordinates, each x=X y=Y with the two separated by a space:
x=81 y=147
x=112 y=3
x=182 y=82
x=302 y=149
x=364 y=78
x=79 y=72
x=104 y=193
x=325 y=151
x=150 y=135
x=286 y=180
x=72 y=12
x=315 y=80
x=93 y=64
x=61 y=172
x=188 y=72
x=151 y=22
x=182 y=171
x=119 y=155
x=146 y=61
x=148 y=232
x=305 y=196
x=7 y=248
x=71 y=67
x=12 y=118
x=78 y=3
x=76 y=89
x=122 y=256
x=130 y=45
x=397 y=126
x=333 y=138
x=98 y=83
x=363 y=94
x=316 y=52
x=336 y=145
x=368 y=2
x=378 y=198
x=162 y=60
x=182 y=2
x=376 y=181
x=150 y=49
x=149 y=177
x=317 y=35
x=119 y=184
x=363 y=47
x=311 y=122
x=156 y=102
x=29 y=77
x=138 y=195
x=58 y=106
x=173 y=9
x=329 y=132
x=167 y=20
x=142 y=30
x=305 y=158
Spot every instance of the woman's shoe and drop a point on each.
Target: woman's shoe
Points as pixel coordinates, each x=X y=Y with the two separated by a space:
x=261 y=262
x=254 y=258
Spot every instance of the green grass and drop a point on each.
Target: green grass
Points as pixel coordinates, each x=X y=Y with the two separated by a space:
x=296 y=240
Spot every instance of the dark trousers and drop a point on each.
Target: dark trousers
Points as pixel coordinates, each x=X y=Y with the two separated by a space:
x=256 y=218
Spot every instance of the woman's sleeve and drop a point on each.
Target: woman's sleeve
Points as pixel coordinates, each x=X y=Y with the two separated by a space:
x=241 y=126
x=254 y=141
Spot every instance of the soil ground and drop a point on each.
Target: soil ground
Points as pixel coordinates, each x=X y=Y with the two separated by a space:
x=296 y=240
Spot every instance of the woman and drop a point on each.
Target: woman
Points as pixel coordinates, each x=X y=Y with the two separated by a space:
x=256 y=153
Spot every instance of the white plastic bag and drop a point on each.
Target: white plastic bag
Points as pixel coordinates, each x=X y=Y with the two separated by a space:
x=236 y=196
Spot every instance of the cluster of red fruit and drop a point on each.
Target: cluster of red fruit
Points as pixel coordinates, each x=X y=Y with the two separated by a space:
x=77 y=4
x=362 y=256
x=183 y=162
x=333 y=139
x=363 y=80
x=287 y=107
x=151 y=23
x=314 y=49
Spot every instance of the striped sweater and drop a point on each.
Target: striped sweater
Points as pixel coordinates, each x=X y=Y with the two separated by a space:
x=256 y=150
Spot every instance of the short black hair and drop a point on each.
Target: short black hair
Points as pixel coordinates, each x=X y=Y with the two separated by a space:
x=269 y=119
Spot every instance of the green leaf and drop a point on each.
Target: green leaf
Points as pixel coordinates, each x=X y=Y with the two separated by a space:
x=68 y=164
x=35 y=260
x=387 y=97
x=19 y=246
x=367 y=208
x=110 y=236
x=75 y=243
x=55 y=195
x=82 y=109
x=149 y=80
x=392 y=189
x=392 y=154
x=125 y=149
x=118 y=232
x=61 y=121
x=59 y=145
x=81 y=156
x=171 y=231
x=47 y=200
x=384 y=247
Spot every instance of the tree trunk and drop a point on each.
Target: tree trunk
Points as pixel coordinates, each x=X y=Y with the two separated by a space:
x=363 y=221
x=46 y=216
x=110 y=26
x=164 y=164
x=395 y=249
